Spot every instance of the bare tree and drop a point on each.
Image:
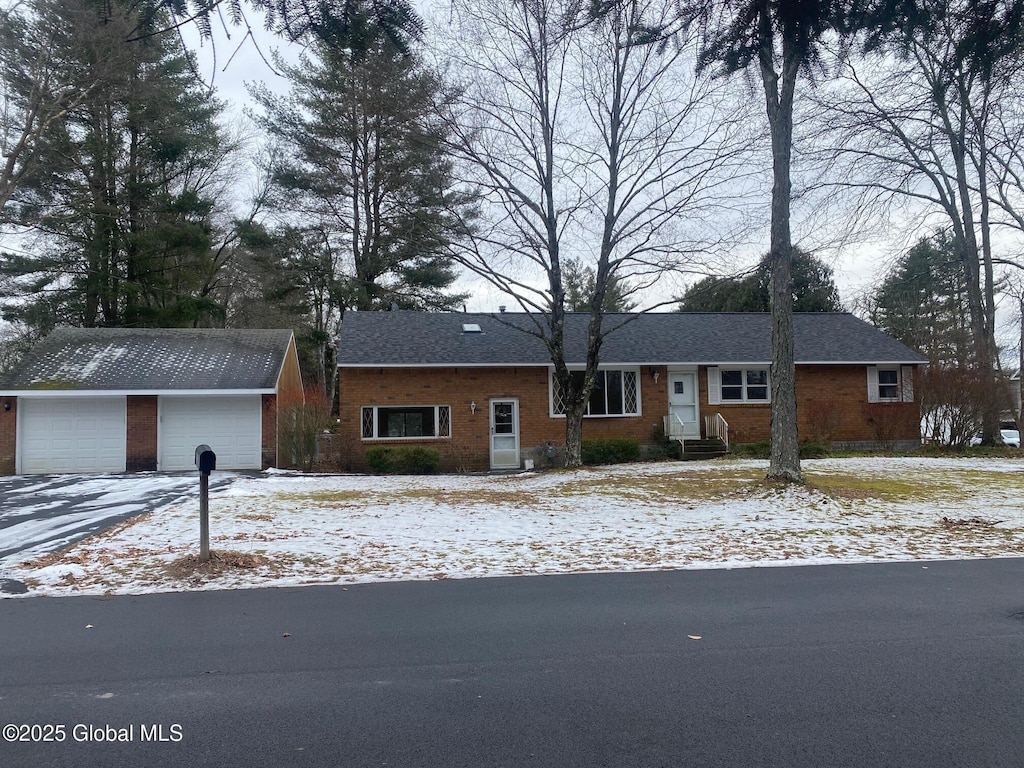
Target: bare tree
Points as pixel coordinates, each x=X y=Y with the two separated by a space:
x=919 y=130
x=779 y=40
x=589 y=141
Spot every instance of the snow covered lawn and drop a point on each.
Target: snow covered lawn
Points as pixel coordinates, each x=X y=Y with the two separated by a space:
x=288 y=529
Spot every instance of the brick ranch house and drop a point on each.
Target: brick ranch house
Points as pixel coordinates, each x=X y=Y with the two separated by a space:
x=480 y=388
x=142 y=399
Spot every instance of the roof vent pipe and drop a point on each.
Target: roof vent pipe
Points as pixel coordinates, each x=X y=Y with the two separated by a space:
x=501 y=309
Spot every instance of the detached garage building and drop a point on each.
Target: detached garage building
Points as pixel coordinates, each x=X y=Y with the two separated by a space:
x=138 y=399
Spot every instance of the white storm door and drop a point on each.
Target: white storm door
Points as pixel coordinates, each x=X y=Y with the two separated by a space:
x=683 y=404
x=504 y=434
x=230 y=424
x=72 y=434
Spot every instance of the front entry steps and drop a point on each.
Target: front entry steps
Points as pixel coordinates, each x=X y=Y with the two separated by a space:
x=696 y=450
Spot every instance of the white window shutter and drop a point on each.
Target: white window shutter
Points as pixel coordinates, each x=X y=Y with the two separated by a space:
x=907 y=383
x=714 y=386
x=872 y=384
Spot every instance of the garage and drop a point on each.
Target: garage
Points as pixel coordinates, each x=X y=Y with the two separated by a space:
x=142 y=399
x=72 y=434
x=229 y=424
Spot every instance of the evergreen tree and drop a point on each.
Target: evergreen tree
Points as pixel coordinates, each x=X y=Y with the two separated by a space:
x=580 y=287
x=122 y=191
x=288 y=278
x=923 y=303
x=362 y=165
x=814 y=289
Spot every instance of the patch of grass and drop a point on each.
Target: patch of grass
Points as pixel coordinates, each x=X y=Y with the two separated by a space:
x=970 y=452
x=689 y=485
x=868 y=487
x=514 y=497
x=263 y=518
x=948 y=485
x=340 y=498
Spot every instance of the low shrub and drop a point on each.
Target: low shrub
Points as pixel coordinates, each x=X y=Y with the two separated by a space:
x=610 y=450
x=663 y=449
x=762 y=450
x=300 y=425
x=403 y=459
x=813 y=450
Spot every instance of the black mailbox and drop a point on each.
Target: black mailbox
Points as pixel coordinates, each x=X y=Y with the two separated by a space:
x=206 y=459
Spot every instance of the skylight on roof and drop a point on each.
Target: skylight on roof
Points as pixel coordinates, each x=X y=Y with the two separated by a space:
x=471 y=328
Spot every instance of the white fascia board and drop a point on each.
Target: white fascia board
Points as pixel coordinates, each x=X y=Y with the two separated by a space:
x=674 y=364
x=615 y=364
x=861 y=362
x=370 y=366
x=748 y=363
x=41 y=393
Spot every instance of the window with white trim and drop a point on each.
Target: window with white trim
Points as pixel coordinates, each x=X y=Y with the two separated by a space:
x=890 y=384
x=407 y=421
x=616 y=393
x=737 y=385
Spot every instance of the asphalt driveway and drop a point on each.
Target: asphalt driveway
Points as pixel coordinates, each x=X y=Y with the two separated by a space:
x=44 y=513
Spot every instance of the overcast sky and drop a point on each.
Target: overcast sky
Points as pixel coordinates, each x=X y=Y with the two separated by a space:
x=230 y=61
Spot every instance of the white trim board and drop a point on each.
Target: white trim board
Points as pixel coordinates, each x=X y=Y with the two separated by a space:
x=28 y=394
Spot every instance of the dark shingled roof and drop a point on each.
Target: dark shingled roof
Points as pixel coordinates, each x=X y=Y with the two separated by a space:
x=152 y=359
x=406 y=338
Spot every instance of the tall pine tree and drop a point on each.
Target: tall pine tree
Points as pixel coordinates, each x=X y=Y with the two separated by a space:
x=122 y=194
x=362 y=167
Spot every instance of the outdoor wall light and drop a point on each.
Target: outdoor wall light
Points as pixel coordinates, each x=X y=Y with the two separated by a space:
x=472 y=407
x=655 y=374
x=7 y=405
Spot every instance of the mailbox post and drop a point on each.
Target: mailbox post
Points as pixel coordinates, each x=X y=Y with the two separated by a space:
x=206 y=462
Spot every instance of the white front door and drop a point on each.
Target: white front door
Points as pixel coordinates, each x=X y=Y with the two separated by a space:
x=504 y=434
x=683 y=404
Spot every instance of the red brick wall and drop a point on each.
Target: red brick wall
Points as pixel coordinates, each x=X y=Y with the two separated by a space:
x=141 y=448
x=831 y=403
x=269 y=407
x=831 y=399
x=8 y=434
x=469 y=446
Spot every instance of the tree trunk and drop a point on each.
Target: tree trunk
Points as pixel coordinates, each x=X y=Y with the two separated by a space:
x=1020 y=371
x=784 y=464
x=574 y=434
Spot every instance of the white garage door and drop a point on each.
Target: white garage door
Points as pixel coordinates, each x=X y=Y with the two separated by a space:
x=230 y=425
x=71 y=434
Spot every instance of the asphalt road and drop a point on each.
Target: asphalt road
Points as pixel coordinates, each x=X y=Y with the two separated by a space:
x=899 y=665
